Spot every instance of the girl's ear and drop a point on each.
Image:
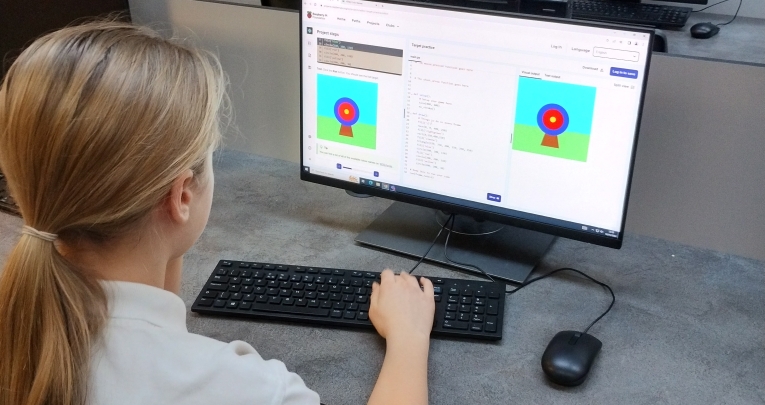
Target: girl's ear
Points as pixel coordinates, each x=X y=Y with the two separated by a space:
x=178 y=200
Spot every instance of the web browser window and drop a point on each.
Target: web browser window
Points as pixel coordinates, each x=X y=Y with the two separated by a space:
x=512 y=115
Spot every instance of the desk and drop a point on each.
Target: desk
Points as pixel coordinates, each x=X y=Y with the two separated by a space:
x=688 y=326
x=743 y=40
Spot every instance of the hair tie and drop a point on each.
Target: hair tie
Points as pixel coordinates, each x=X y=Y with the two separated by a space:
x=28 y=230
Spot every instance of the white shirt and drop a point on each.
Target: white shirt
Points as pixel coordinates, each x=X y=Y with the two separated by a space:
x=147 y=356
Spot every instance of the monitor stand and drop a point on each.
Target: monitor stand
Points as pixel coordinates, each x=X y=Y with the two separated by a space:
x=503 y=251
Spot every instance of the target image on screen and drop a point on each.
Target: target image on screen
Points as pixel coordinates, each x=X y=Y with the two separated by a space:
x=347 y=111
x=553 y=118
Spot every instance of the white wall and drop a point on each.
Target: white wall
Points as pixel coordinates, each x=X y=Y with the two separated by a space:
x=701 y=153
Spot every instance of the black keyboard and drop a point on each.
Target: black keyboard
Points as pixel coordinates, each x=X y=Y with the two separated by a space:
x=336 y=297
x=631 y=13
x=7 y=203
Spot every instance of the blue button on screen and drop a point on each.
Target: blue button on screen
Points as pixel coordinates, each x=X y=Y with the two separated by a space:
x=621 y=72
x=494 y=197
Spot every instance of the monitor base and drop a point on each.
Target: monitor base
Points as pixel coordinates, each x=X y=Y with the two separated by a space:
x=505 y=252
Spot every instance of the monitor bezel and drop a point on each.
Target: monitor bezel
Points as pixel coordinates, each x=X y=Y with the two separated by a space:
x=583 y=236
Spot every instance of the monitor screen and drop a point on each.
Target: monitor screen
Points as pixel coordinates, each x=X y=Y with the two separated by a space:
x=514 y=118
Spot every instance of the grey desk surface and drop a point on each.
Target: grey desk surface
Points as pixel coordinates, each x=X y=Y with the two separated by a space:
x=743 y=40
x=688 y=326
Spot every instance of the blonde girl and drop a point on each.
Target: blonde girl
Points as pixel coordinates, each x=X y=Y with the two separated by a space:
x=106 y=136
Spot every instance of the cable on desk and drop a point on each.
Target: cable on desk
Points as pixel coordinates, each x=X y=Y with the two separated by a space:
x=613 y=297
x=446 y=252
x=432 y=244
x=734 y=15
x=720 y=2
x=709 y=6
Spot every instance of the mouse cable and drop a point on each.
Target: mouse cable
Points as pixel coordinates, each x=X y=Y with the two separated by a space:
x=446 y=252
x=613 y=297
x=734 y=15
x=432 y=244
x=709 y=6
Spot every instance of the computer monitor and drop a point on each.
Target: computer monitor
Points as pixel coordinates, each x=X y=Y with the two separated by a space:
x=522 y=121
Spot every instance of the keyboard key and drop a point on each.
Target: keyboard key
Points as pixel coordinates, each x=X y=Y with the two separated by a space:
x=477 y=318
x=232 y=305
x=476 y=327
x=338 y=305
x=244 y=265
x=256 y=266
x=493 y=294
x=467 y=292
x=325 y=271
x=480 y=301
x=464 y=308
x=357 y=274
x=338 y=272
x=217 y=287
x=478 y=310
x=224 y=296
x=249 y=298
x=275 y=300
x=454 y=299
x=282 y=268
x=205 y=302
x=363 y=316
x=466 y=300
x=455 y=325
x=336 y=313
x=291 y=310
x=451 y=307
x=313 y=303
x=480 y=293
x=437 y=298
x=301 y=302
x=353 y=306
x=234 y=273
x=296 y=278
x=269 y=267
x=299 y=269
x=463 y=317
x=219 y=303
x=225 y=263
x=220 y=279
x=437 y=281
x=451 y=315
x=210 y=294
x=245 y=305
x=288 y=301
x=491 y=324
x=491 y=308
x=350 y=315
x=437 y=289
x=454 y=291
x=236 y=296
x=326 y=304
x=261 y=298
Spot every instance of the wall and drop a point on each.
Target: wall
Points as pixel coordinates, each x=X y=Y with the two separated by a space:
x=701 y=151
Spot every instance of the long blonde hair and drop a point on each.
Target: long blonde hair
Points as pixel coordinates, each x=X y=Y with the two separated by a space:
x=95 y=123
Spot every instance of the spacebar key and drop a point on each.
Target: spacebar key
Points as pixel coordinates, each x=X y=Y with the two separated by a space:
x=291 y=310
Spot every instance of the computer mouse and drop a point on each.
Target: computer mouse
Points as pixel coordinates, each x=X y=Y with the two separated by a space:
x=569 y=356
x=704 y=30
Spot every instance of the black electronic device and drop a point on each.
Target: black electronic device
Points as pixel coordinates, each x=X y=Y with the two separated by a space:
x=407 y=107
x=550 y=8
x=628 y=12
x=337 y=297
x=704 y=30
x=569 y=357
